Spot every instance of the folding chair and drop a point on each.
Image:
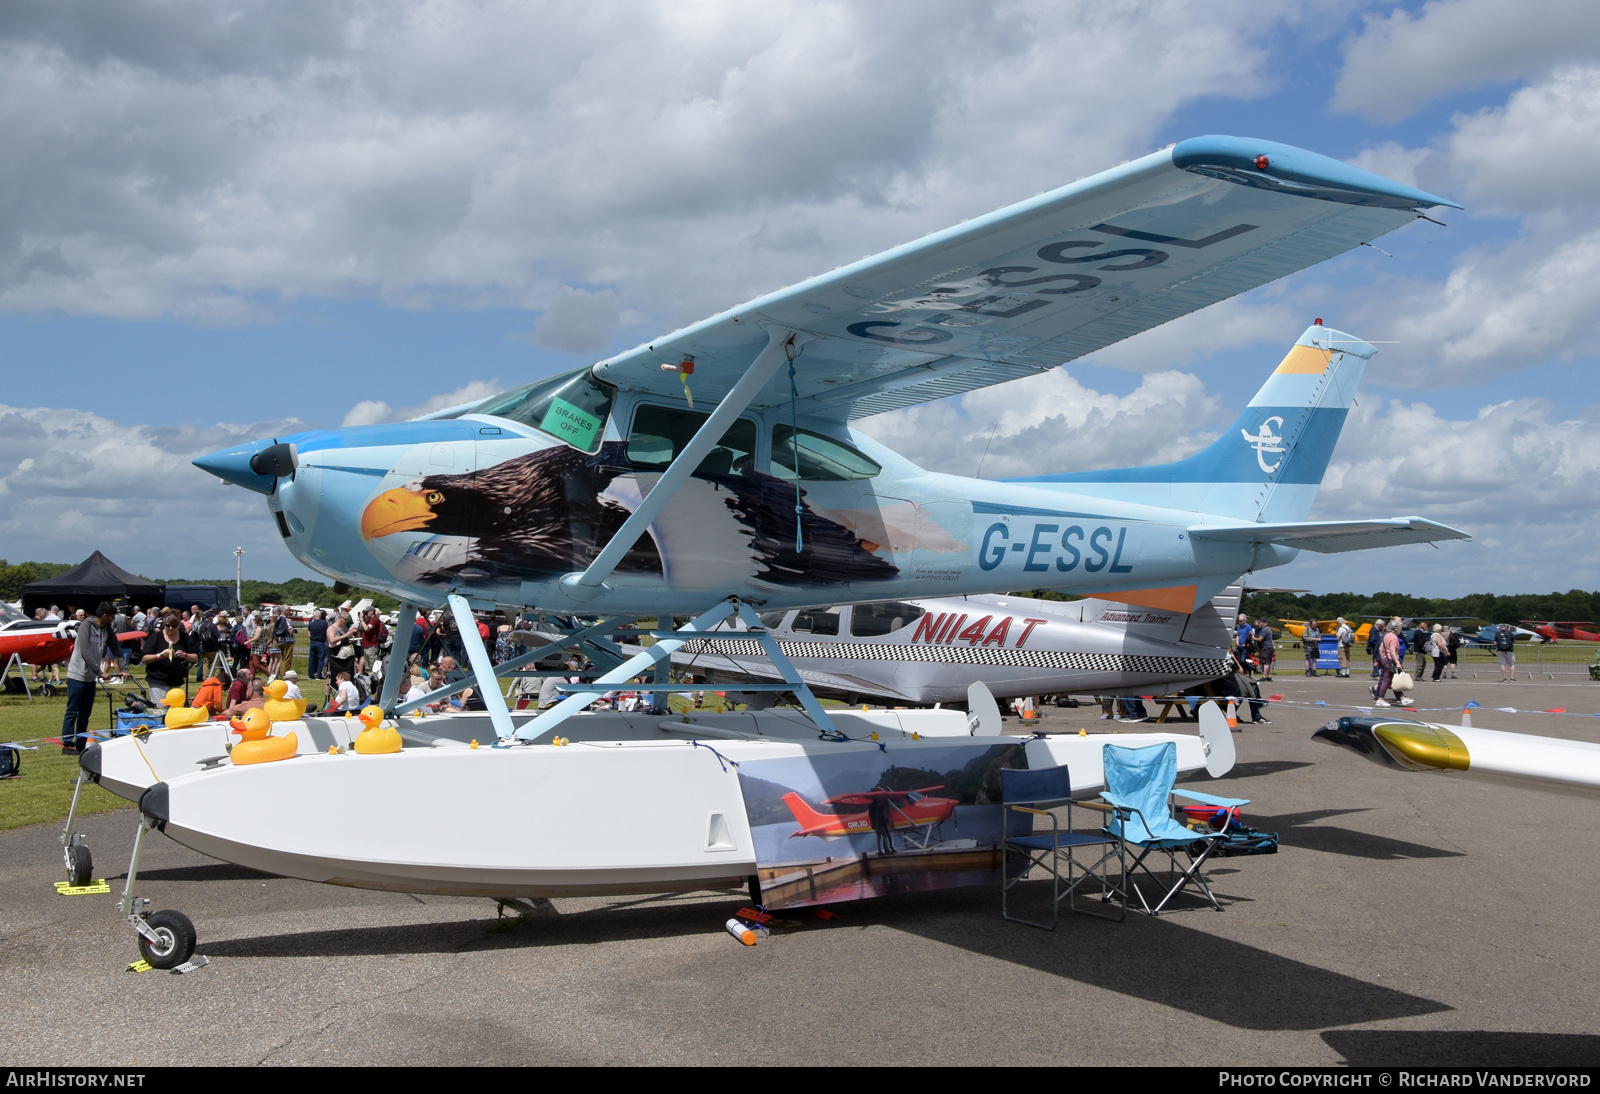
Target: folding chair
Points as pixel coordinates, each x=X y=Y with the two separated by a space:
x=1139 y=790
x=1033 y=794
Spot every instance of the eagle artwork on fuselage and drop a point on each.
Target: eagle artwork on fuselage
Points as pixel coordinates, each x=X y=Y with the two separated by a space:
x=547 y=511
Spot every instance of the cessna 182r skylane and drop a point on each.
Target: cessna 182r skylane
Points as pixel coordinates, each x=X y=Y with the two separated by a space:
x=713 y=472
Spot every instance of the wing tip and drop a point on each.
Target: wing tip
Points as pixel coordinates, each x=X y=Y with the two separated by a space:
x=1286 y=163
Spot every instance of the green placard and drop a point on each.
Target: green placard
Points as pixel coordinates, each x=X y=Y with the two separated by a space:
x=571 y=424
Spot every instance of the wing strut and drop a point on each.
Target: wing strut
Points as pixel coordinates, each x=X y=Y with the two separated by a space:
x=509 y=668
x=752 y=383
x=399 y=654
x=482 y=666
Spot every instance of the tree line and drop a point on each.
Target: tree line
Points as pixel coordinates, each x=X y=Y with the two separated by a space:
x=1575 y=604
x=296 y=590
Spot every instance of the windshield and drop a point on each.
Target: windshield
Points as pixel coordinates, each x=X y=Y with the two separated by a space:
x=572 y=407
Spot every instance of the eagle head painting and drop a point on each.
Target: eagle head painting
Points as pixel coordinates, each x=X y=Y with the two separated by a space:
x=549 y=512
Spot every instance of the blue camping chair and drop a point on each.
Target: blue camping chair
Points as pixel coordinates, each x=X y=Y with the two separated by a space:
x=1031 y=794
x=1139 y=789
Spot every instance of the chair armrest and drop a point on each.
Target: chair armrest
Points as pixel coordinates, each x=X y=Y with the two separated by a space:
x=1116 y=800
x=1101 y=807
x=1210 y=799
x=1025 y=809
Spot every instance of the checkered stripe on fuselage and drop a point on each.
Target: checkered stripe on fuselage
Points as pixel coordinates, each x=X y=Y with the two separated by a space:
x=966 y=655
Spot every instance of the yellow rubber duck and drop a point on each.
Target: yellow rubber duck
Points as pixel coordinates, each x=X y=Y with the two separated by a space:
x=280 y=709
x=256 y=745
x=179 y=713
x=253 y=726
x=377 y=739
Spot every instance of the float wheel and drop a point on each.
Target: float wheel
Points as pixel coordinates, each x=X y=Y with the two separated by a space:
x=174 y=942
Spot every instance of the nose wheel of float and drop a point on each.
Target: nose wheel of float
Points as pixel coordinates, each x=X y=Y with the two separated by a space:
x=79 y=861
x=166 y=938
x=74 y=850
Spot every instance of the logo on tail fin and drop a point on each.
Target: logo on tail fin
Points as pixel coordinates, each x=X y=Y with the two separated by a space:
x=1266 y=441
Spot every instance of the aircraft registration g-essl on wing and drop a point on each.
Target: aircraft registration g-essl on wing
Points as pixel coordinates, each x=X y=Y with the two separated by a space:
x=931 y=651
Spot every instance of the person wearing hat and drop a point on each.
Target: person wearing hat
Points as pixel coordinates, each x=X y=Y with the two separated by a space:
x=1346 y=638
x=292 y=678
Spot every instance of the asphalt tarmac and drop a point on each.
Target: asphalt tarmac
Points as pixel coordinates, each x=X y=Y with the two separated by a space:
x=1421 y=919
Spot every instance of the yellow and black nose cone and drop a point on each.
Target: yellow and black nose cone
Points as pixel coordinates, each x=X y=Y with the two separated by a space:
x=1414 y=746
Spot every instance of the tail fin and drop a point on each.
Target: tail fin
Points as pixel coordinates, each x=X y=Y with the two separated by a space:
x=1268 y=464
x=808 y=817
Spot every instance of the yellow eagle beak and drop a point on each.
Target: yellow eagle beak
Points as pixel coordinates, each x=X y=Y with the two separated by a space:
x=397 y=510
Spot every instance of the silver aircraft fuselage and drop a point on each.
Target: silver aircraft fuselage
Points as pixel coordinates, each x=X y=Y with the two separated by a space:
x=929 y=651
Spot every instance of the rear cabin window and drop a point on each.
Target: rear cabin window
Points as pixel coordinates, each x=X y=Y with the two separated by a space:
x=874 y=620
x=772 y=620
x=821 y=459
x=820 y=621
x=572 y=407
x=660 y=433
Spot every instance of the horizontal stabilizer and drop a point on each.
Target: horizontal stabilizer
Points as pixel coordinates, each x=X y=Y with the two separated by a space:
x=1334 y=536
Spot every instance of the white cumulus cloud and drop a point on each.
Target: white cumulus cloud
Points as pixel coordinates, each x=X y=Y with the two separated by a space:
x=1402 y=60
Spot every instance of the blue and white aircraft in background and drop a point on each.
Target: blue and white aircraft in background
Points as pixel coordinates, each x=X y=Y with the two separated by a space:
x=714 y=471
x=718 y=463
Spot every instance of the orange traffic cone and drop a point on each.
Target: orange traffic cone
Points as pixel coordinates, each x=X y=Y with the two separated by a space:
x=1233 y=715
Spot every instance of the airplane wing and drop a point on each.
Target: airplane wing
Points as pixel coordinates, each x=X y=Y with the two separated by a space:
x=1586 y=624
x=1332 y=537
x=1039 y=283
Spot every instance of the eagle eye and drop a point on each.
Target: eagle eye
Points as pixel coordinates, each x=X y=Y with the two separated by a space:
x=433 y=497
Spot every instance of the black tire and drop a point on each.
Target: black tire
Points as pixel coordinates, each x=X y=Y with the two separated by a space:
x=47 y=690
x=80 y=865
x=177 y=940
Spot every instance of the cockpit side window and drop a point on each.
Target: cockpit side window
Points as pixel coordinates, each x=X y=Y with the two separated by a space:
x=821 y=459
x=819 y=621
x=660 y=433
x=572 y=407
x=875 y=620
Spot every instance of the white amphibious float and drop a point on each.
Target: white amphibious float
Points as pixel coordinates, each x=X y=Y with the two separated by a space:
x=630 y=803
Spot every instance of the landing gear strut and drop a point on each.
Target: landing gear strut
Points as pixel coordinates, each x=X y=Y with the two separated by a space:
x=74 y=851
x=166 y=938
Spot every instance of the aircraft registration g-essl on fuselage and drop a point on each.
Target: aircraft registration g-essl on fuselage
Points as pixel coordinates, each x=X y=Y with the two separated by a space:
x=931 y=651
x=538 y=496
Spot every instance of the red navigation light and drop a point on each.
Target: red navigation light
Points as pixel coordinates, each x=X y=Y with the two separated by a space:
x=1319 y=321
x=1261 y=163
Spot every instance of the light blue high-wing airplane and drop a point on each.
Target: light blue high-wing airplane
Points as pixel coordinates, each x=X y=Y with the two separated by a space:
x=715 y=468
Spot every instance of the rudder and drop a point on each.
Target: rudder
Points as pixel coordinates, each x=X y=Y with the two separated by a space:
x=1268 y=464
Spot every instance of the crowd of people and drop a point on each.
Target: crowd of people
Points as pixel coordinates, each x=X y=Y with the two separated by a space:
x=1390 y=644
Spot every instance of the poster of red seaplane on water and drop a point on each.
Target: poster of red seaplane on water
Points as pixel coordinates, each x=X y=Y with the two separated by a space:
x=840 y=828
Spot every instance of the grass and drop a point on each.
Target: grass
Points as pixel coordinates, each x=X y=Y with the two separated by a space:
x=43 y=793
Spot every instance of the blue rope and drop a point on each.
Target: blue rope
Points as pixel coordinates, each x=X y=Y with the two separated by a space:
x=721 y=759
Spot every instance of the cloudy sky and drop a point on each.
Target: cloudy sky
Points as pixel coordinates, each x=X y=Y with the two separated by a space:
x=225 y=220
